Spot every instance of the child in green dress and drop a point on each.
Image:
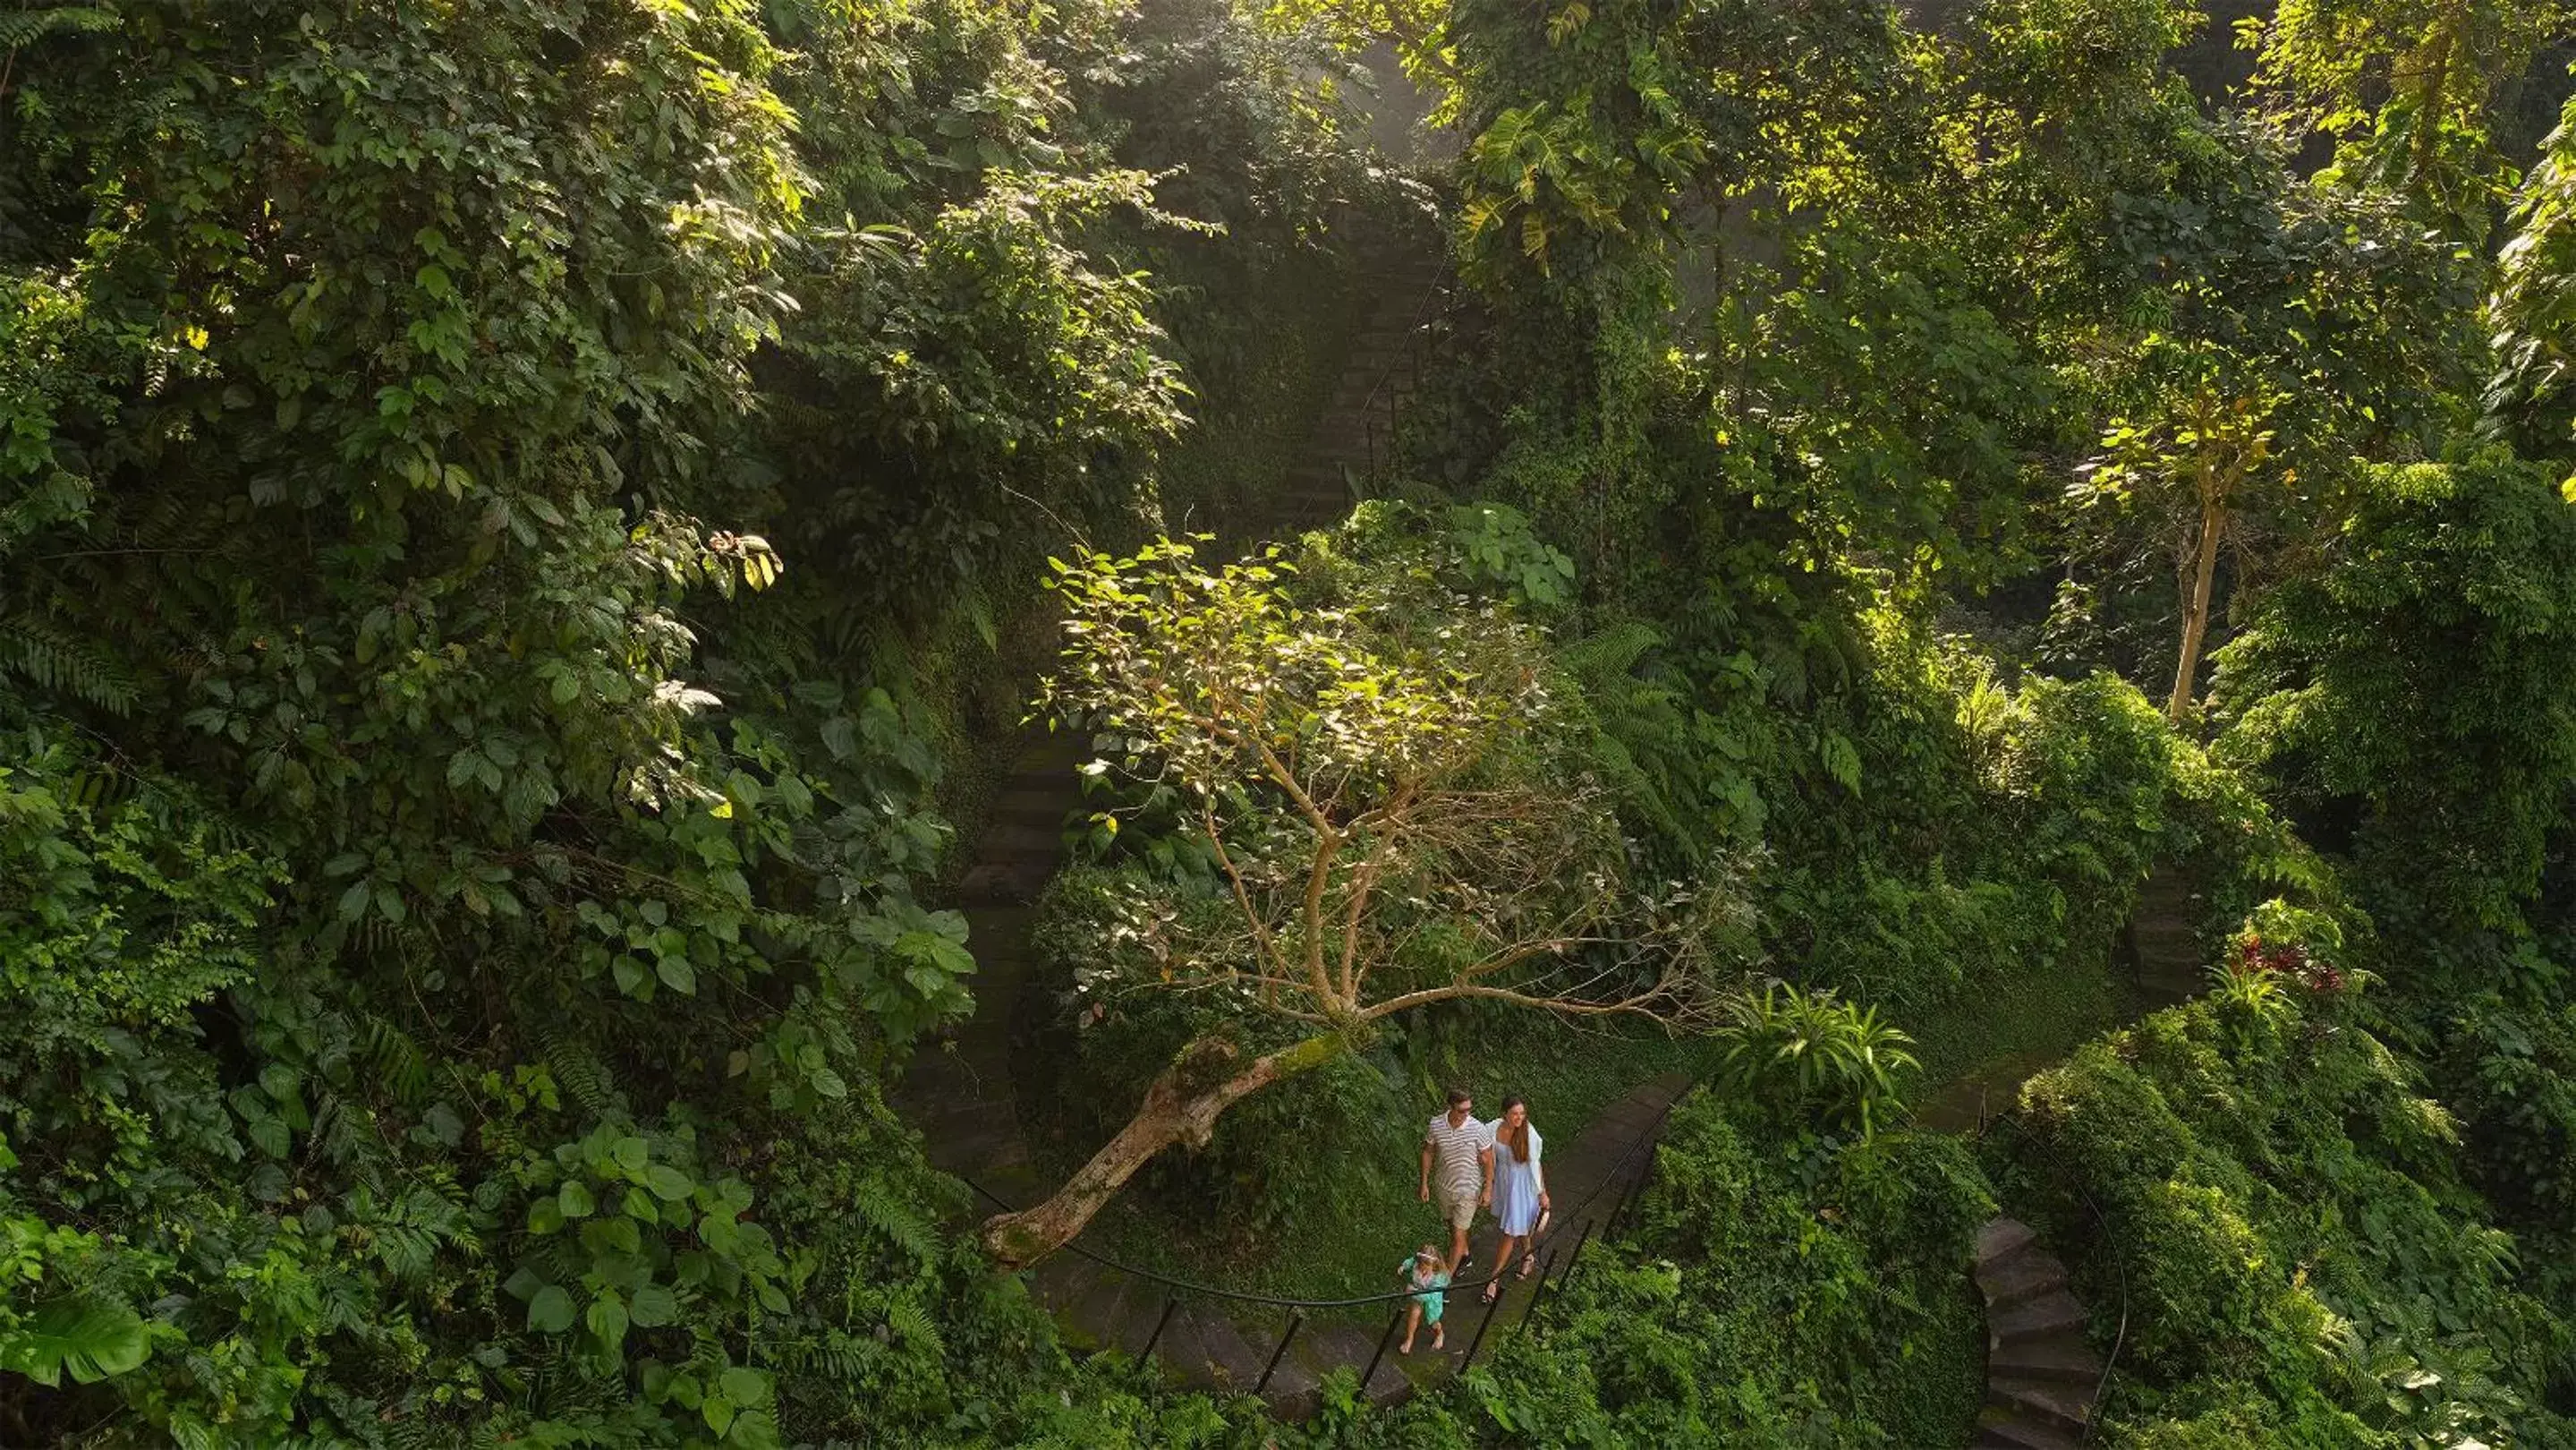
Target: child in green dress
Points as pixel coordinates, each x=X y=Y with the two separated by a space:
x=1428 y=1277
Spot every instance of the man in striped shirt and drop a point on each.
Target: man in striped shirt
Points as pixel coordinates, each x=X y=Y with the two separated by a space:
x=1458 y=1162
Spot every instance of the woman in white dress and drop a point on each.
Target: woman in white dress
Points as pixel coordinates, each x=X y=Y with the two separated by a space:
x=1520 y=1190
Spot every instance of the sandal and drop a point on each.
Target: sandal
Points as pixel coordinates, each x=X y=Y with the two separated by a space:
x=1528 y=1262
x=1493 y=1290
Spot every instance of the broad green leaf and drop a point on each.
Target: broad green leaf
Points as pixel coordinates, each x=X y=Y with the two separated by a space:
x=550 y=1312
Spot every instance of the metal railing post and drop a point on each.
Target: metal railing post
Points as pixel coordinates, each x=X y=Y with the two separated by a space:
x=1619 y=1209
x=1490 y=1306
x=1296 y=1321
x=1571 y=1259
x=1370 y=1373
x=1170 y=1302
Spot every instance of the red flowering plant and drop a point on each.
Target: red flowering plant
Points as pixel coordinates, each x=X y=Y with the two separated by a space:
x=2289 y=961
x=2282 y=964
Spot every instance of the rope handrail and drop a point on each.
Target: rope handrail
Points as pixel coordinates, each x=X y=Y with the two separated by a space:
x=1433 y=303
x=1619 y=1168
x=2110 y=1243
x=1424 y=311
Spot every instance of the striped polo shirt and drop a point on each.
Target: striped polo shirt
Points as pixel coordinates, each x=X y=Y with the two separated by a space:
x=1455 y=1150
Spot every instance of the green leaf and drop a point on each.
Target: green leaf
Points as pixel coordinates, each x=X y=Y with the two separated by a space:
x=83 y=1337
x=668 y=1183
x=744 y=1386
x=574 y=1199
x=607 y=1320
x=546 y=1216
x=551 y=1311
x=655 y=1305
x=677 y=974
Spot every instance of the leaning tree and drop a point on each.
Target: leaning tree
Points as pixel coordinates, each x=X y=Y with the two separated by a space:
x=1378 y=773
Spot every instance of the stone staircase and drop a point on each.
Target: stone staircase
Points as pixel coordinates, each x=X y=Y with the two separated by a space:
x=1216 y=1344
x=2162 y=939
x=960 y=1086
x=1377 y=378
x=2041 y=1375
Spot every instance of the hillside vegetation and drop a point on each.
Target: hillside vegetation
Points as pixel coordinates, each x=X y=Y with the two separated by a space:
x=533 y=531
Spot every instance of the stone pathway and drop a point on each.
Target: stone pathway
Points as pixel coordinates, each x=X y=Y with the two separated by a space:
x=1213 y=1343
x=2162 y=940
x=2041 y=1371
x=960 y=1086
x=1376 y=379
x=2041 y=1375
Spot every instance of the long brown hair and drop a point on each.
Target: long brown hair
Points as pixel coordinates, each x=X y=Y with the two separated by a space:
x=1520 y=1135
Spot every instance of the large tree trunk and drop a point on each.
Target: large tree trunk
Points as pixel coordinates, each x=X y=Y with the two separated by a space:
x=2195 y=613
x=1181 y=1107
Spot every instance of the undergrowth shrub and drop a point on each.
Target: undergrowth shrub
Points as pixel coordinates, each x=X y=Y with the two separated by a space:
x=1772 y=1292
x=2305 y=1260
x=1806 y=1057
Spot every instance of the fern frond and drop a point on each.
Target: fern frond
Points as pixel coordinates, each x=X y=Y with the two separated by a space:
x=1636 y=723
x=1600 y=658
x=398 y=1062
x=52 y=660
x=888 y=1214
x=579 y=1072
x=23 y=28
x=906 y=1317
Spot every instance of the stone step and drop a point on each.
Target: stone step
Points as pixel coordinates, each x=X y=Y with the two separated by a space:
x=1181 y=1353
x=1292 y=1390
x=1004 y=882
x=987 y=923
x=2048 y=1315
x=955 y=1086
x=1232 y=1361
x=976 y=1151
x=1007 y=840
x=964 y=1104
x=2054 y=1403
x=1336 y=1346
x=1065 y=1279
x=2002 y=1237
x=2012 y=1433
x=1046 y=807
x=2019 y=1278
x=2068 y=1360
x=1100 y=1315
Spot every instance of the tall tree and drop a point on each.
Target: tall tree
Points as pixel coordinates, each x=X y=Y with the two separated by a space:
x=1381 y=784
x=2207 y=447
x=2405 y=86
x=2533 y=308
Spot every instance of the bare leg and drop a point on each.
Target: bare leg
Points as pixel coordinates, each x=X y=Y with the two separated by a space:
x=1413 y=1321
x=1457 y=1245
x=1503 y=1245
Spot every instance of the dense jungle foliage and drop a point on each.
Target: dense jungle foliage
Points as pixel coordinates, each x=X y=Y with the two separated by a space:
x=525 y=538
